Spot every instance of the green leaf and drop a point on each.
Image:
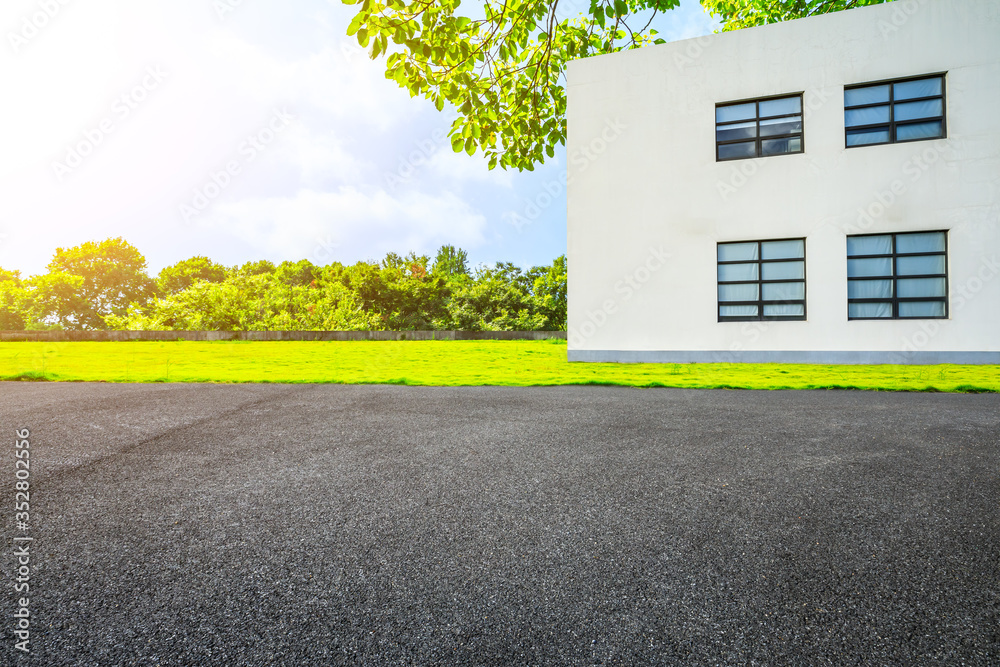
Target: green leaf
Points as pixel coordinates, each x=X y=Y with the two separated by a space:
x=355 y=23
x=470 y=145
x=599 y=16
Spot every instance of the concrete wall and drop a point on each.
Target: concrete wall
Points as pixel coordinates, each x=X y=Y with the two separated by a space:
x=63 y=336
x=647 y=201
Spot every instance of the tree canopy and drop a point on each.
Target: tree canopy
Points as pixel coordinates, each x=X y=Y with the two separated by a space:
x=91 y=281
x=105 y=286
x=501 y=66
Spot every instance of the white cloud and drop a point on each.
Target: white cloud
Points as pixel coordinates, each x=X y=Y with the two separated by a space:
x=462 y=167
x=339 y=80
x=348 y=224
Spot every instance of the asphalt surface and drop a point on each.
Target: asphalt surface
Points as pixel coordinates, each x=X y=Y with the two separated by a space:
x=313 y=525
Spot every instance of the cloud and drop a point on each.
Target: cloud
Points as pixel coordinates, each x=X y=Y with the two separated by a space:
x=348 y=224
x=461 y=167
x=339 y=80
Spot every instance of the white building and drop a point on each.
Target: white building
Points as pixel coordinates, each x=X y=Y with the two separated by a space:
x=823 y=190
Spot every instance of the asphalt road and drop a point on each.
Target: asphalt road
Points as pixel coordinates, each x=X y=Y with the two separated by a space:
x=301 y=525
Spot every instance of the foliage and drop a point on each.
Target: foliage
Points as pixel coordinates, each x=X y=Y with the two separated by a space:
x=399 y=293
x=12 y=301
x=91 y=281
x=737 y=14
x=501 y=66
x=451 y=261
x=56 y=298
x=496 y=299
x=183 y=274
x=251 y=302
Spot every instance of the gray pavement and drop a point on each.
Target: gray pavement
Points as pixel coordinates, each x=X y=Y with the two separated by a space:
x=300 y=525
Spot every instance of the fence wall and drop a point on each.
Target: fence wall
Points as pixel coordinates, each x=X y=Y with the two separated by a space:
x=63 y=336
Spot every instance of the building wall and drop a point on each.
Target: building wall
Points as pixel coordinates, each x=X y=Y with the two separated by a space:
x=647 y=201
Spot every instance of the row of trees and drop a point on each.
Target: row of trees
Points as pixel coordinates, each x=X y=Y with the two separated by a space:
x=105 y=285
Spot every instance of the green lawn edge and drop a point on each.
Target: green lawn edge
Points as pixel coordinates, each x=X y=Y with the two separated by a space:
x=445 y=363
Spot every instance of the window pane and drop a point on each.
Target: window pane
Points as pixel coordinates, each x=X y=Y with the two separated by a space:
x=931 y=130
x=732 y=252
x=866 y=95
x=791 y=249
x=784 y=291
x=866 y=137
x=915 y=266
x=780 y=107
x=923 y=242
x=866 y=116
x=869 y=289
x=878 y=266
x=745 y=292
x=735 y=112
x=907 y=90
x=915 y=110
x=789 y=125
x=784 y=270
x=738 y=311
x=733 y=151
x=732 y=272
x=921 y=308
x=784 y=310
x=869 y=245
x=869 y=310
x=781 y=146
x=921 y=287
x=736 y=131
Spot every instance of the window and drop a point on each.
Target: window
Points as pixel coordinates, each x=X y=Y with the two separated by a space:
x=762 y=280
x=897 y=276
x=894 y=111
x=758 y=128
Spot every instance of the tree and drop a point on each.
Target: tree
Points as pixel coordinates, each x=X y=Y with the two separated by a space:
x=244 y=302
x=183 y=274
x=497 y=298
x=112 y=275
x=450 y=261
x=54 y=298
x=737 y=14
x=302 y=272
x=502 y=69
x=13 y=299
x=259 y=267
x=548 y=293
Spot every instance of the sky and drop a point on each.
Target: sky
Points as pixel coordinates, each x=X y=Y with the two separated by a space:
x=244 y=130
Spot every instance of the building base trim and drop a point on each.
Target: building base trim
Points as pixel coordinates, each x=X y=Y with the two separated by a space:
x=921 y=357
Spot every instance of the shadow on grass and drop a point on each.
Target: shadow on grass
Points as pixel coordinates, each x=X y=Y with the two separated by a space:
x=30 y=376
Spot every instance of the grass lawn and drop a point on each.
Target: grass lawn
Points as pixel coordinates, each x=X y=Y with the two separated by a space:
x=445 y=363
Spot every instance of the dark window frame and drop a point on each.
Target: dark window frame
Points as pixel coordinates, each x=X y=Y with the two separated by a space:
x=892 y=124
x=895 y=278
x=760 y=282
x=757 y=119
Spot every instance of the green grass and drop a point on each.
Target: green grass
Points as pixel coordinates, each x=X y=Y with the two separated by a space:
x=445 y=363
